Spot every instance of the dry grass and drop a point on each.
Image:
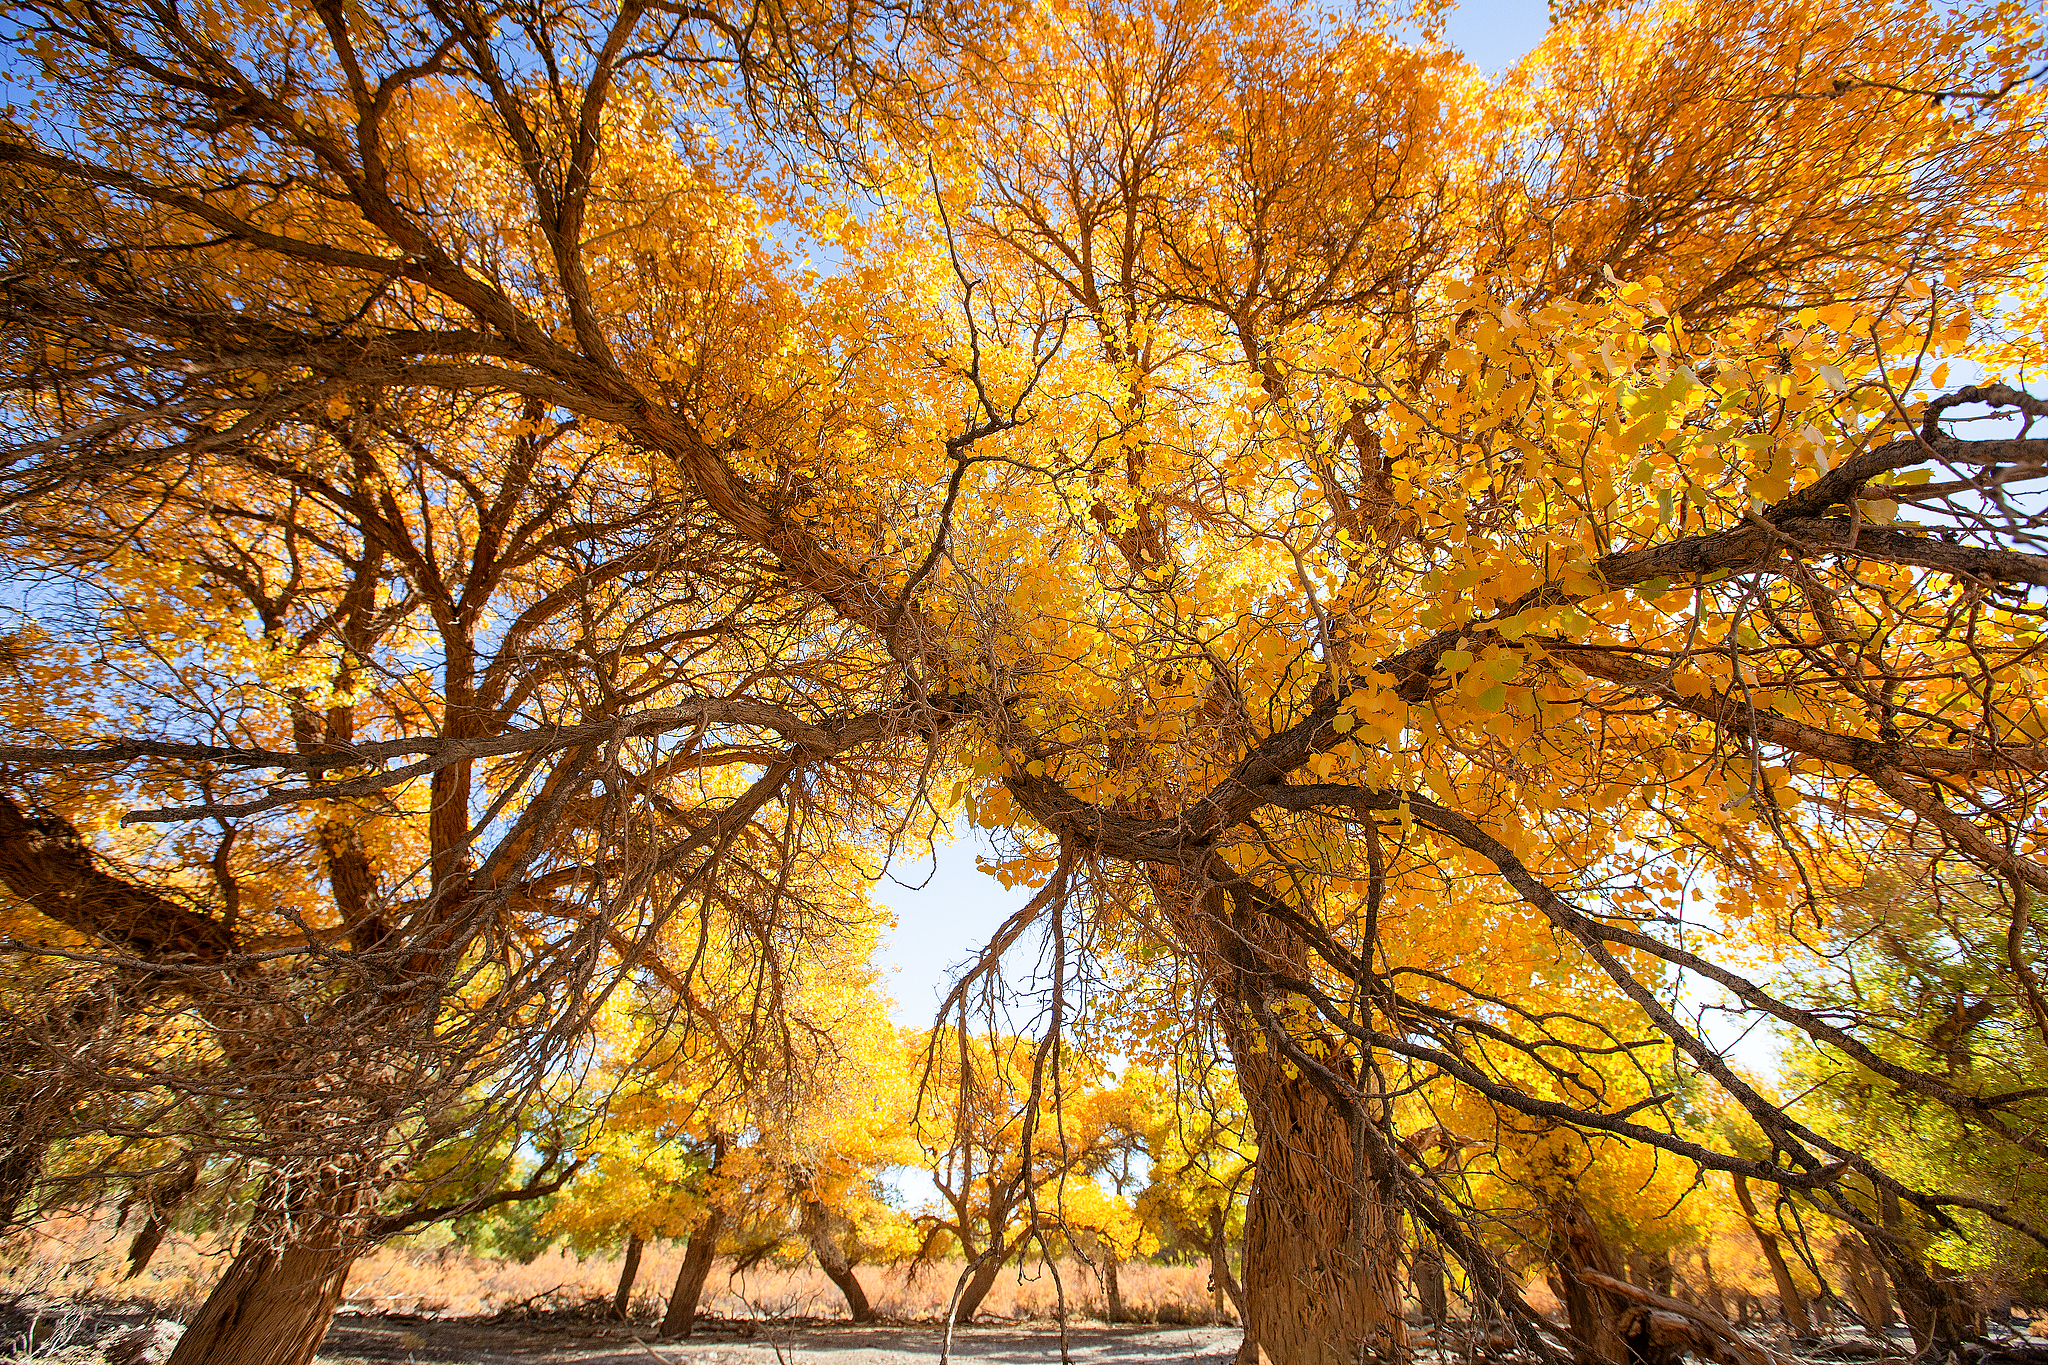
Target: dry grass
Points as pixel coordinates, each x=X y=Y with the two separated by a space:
x=82 y=1258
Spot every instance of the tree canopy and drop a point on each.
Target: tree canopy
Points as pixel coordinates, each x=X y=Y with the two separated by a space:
x=1444 y=588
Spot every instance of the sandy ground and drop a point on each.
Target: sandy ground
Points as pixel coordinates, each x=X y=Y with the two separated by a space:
x=378 y=1340
x=46 y=1332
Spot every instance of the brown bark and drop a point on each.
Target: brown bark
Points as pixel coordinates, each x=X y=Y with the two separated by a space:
x=1112 y=1290
x=271 y=1308
x=1790 y=1304
x=622 y=1299
x=833 y=1260
x=1658 y=1329
x=978 y=1285
x=1323 y=1273
x=1220 y=1275
x=1322 y=1250
x=696 y=1267
x=144 y=1246
x=1578 y=1252
x=1431 y=1294
x=161 y=1200
x=43 y=861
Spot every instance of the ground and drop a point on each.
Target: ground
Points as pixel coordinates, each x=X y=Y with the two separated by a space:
x=51 y=1332
x=382 y=1340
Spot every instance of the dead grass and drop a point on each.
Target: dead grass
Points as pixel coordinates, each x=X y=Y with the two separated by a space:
x=80 y=1257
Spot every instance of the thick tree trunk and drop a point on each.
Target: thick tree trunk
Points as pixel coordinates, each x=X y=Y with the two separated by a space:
x=696 y=1268
x=1322 y=1248
x=1112 y=1290
x=1323 y=1270
x=629 y=1272
x=832 y=1259
x=1790 y=1304
x=271 y=1308
x=984 y=1279
x=1576 y=1246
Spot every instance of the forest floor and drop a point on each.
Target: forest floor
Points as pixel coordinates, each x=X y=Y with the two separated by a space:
x=54 y=1333
x=379 y=1340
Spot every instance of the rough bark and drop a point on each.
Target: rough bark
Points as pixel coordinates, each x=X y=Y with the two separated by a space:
x=833 y=1260
x=271 y=1308
x=1578 y=1252
x=696 y=1268
x=1322 y=1248
x=1790 y=1304
x=622 y=1299
x=1323 y=1269
x=1112 y=1290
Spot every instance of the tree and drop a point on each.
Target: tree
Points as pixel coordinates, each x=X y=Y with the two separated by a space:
x=392 y=578
x=1382 y=539
x=1004 y=1149
x=1934 y=968
x=716 y=1137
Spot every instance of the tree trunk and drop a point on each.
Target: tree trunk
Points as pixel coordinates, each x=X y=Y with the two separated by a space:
x=1322 y=1249
x=1713 y=1287
x=977 y=1289
x=1431 y=1294
x=1575 y=1246
x=1219 y=1266
x=1112 y=1291
x=1323 y=1238
x=696 y=1268
x=1790 y=1304
x=162 y=1199
x=1867 y=1284
x=271 y=1308
x=1929 y=1298
x=833 y=1260
x=147 y=1239
x=629 y=1272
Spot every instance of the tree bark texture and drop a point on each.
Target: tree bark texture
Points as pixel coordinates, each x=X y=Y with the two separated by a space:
x=1112 y=1290
x=1323 y=1273
x=833 y=1260
x=622 y=1300
x=1790 y=1304
x=272 y=1307
x=696 y=1268
x=1576 y=1247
